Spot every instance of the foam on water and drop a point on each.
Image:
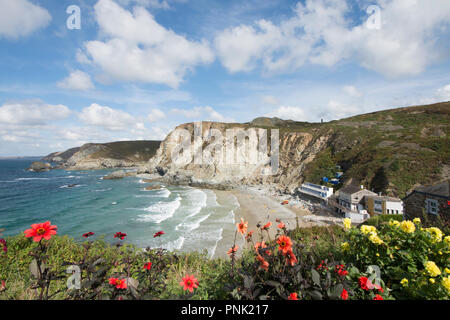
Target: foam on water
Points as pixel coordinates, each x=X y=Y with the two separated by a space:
x=175 y=245
x=27 y=179
x=192 y=224
x=160 y=211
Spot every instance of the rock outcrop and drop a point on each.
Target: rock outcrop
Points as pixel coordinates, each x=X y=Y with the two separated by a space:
x=38 y=166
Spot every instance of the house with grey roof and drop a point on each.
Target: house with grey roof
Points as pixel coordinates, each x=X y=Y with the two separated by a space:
x=429 y=202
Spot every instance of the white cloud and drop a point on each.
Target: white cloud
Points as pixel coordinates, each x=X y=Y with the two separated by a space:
x=201 y=114
x=352 y=91
x=444 y=93
x=77 y=80
x=288 y=113
x=156 y=115
x=157 y=4
x=19 y=18
x=337 y=110
x=31 y=113
x=138 y=49
x=412 y=36
x=107 y=118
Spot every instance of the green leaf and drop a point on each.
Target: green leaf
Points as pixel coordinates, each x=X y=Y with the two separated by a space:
x=337 y=290
x=315 y=277
x=316 y=295
x=34 y=268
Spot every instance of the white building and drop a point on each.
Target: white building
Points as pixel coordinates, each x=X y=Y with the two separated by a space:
x=315 y=190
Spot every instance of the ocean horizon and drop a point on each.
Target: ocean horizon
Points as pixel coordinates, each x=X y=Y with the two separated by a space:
x=81 y=201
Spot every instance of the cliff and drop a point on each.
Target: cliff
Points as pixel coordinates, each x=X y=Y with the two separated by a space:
x=105 y=155
x=390 y=151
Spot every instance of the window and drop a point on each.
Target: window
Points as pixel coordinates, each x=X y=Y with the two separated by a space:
x=431 y=206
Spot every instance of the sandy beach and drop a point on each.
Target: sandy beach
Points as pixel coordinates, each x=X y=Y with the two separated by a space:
x=257 y=207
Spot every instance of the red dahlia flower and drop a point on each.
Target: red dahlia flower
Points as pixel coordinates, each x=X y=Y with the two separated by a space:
x=365 y=283
x=158 y=234
x=189 y=283
x=267 y=226
x=284 y=243
x=3 y=244
x=291 y=259
x=293 y=296
x=88 y=234
x=118 y=283
x=233 y=249
x=148 y=265
x=344 y=294
x=378 y=297
x=41 y=230
x=120 y=235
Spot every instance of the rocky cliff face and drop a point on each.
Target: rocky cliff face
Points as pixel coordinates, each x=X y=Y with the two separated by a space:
x=296 y=150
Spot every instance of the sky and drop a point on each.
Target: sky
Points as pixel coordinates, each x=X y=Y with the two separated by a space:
x=135 y=69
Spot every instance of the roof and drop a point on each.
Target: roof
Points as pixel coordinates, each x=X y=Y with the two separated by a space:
x=384 y=198
x=350 y=189
x=440 y=189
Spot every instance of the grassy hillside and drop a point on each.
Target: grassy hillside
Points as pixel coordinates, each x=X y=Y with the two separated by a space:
x=132 y=150
x=389 y=151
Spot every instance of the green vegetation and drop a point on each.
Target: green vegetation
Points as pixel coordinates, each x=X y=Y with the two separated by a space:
x=132 y=150
x=306 y=263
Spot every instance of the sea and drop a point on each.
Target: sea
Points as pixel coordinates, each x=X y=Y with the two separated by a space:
x=81 y=201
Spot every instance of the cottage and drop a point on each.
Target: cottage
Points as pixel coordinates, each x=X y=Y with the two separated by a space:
x=431 y=201
x=383 y=205
x=351 y=202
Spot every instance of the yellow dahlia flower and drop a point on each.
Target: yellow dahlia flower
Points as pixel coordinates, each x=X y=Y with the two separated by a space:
x=368 y=229
x=436 y=234
x=404 y=282
x=375 y=239
x=416 y=220
x=407 y=226
x=394 y=223
x=347 y=223
x=345 y=246
x=432 y=268
x=446 y=283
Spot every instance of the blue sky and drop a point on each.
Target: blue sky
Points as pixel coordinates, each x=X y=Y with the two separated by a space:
x=138 y=68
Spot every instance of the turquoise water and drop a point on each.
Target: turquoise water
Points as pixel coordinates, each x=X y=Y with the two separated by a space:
x=191 y=218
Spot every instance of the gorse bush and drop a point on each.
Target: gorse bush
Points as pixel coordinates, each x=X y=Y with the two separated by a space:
x=392 y=260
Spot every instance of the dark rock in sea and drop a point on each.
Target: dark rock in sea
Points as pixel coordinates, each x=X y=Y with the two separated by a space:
x=38 y=166
x=154 y=187
x=119 y=175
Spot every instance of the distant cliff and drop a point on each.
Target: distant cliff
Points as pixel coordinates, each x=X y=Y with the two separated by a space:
x=105 y=155
x=389 y=151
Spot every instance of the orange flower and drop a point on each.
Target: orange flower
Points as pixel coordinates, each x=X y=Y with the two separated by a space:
x=264 y=264
x=233 y=249
x=189 y=283
x=293 y=296
x=242 y=227
x=118 y=283
x=291 y=258
x=281 y=225
x=285 y=244
x=41 y=230
x=262 y=245
x=267 y=226
x=249 y=235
